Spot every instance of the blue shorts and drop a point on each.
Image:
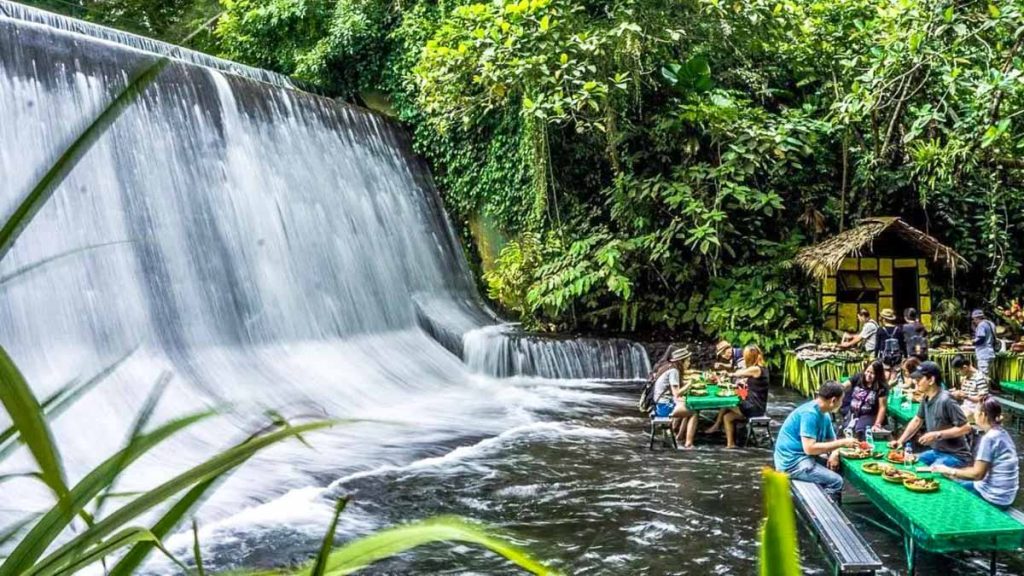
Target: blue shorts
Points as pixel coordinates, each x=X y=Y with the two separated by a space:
x=664 y=409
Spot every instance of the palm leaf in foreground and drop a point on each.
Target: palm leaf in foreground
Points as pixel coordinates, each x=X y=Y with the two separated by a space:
x=780 y=555
x=215 y=466
x=60 y=401
x=23 y=558
x=320 y=566
x=26 y=414
x=386 y=543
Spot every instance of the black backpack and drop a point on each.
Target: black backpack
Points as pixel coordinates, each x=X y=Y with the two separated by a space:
x=646 y=403
x=917 y=345
x=891 y=353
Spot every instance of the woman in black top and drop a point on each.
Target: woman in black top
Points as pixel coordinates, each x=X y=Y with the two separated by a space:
x=868 y=396
x=756 y=389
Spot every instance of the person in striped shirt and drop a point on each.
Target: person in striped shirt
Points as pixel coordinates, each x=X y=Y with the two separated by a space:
x=973 y=386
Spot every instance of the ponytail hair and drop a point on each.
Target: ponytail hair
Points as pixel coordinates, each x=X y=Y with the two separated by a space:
x=993 y=409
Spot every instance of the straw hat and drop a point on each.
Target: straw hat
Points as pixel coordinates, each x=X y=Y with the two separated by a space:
x=679 y=354
x=721 y=347
x=888 y=314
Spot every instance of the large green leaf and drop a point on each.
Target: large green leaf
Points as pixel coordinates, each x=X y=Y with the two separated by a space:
x=212 y=468
x=27 y=415
x=53 y=177
x=386 y=543
x=52 y=523
x=60 y=401
x=780 y=554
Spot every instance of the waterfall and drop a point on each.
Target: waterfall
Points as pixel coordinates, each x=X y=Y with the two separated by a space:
x=269 y=247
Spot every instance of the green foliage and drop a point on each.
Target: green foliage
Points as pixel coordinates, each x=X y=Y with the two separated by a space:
x=780 y=552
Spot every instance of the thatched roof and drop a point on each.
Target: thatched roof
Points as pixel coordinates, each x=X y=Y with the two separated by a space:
x=825 y=257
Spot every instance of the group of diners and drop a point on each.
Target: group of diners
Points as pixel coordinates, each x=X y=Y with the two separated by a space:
x=892 y=342
x=807 y=447
x=746 y=369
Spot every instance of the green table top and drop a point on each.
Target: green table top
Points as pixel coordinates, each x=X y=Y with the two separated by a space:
x=711 y=401
x=901 y=412
x=1013 y=386
x=945 y=521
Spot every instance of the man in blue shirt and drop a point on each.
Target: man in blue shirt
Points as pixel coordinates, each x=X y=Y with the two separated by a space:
x=984 y=341
x=808 y=433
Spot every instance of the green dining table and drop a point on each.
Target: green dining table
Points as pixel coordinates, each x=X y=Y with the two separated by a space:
x=712 y=401
x=901 y=408
x=949 y=520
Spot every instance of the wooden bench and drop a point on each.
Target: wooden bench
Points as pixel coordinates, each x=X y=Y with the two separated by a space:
x=846 y=548
x=662 y=424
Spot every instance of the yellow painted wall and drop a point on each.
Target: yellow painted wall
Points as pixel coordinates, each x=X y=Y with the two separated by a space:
x=845 y=315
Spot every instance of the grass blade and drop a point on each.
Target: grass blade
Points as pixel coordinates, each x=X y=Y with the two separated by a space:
x=124 y=538
x=59 y=401
x=325 y=547
x=24 y=556
x=27 y=416
x=227 y=460
x=780 y=554
x=197 y=552
x=131 y=562
x=365 y=551
x=6 y=534
x=4 y=280
x=141 y=421
x=49 y=182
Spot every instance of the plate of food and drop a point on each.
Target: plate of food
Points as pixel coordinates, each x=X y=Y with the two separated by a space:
x=698 y=392
x=699 y=385
x=897 y=476
x=899 y=457
x=875 y=468
x=725 y=393
x=921 y=485
x=859 y=453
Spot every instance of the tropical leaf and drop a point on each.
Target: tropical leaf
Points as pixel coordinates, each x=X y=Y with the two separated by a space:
x=59 y=401
x=43 y=189
x=24 y=556
x=212 y=468
x=780 y=554
x=8 y=533
x=122 y=539
x=386 y=543
x=325 y=547
x=197 y=552
x=26 y=414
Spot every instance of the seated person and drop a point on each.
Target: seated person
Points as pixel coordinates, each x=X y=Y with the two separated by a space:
x=902 y=378
x=973 y=386
x=808 y=433
x=869 y=395
x=670 y=399
x=728 y=357
x=943 y=420
x=995 y=475
x=756 y=401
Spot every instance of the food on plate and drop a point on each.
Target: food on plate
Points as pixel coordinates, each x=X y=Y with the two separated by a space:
x=855 y=453
x=873 y=467
x=699 y=392
x=921 y=485
x=725 y=393
x=897 y=476
x=899 y=457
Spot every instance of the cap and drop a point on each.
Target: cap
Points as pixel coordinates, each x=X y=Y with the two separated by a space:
x=977 y=313
x=927 y=368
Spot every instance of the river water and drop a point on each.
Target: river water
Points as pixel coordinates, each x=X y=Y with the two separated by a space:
x=270 y=249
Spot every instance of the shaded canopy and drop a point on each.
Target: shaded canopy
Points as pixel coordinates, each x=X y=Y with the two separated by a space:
x=901 y=239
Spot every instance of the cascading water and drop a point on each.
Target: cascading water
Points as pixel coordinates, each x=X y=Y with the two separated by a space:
x=271 y=249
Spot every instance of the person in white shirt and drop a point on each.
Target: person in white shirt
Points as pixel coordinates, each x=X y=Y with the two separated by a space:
x=866 y=336
x=670 y=398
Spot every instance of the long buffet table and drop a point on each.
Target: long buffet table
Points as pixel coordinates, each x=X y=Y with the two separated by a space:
x=807 y=375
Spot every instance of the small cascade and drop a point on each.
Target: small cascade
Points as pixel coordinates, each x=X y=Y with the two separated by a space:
x=503 y=351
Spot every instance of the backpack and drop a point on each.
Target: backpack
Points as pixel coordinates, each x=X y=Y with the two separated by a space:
x=646 y=402
x=917 y=345
x=891 y=354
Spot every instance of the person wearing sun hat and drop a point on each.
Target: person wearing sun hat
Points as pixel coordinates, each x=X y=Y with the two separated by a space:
x=984 y=341
x=728 y=357
x=889 y=344
x=670 y=397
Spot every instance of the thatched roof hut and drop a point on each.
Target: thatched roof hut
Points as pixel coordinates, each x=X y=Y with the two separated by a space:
x=881 y=263
x=892 y=236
